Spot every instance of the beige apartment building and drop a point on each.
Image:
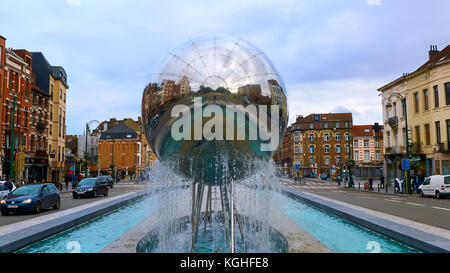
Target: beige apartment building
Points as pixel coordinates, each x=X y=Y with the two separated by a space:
x=53 y=80
x=367 y=150
x=427 y=93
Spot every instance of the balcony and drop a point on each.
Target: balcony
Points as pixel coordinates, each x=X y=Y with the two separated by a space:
x=393 y=122
x=41 y=126
x=396 y=150
x=444 y=147
x=416 y=148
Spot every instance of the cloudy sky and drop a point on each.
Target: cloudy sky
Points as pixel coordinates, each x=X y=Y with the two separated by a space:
x=332 y=54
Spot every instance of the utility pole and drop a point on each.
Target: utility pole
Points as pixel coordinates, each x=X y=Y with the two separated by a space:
x=11 y=154
x=349 y=163
x=86 y=151
x=408 y=174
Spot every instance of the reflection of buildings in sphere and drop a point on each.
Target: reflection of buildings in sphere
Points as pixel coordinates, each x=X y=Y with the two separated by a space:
x=223 y=71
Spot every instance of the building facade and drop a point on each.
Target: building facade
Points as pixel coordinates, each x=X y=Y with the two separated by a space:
x=368 y=151
x=16 y=104
x=2 y=108
x=427 y=93
x=52 y=80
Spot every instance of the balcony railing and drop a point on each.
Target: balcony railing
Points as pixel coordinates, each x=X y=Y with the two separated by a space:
x=393 y=122
x=395 y=150
x=444 y=147
x=41 y=126
x=41 y=153
x=416 y=148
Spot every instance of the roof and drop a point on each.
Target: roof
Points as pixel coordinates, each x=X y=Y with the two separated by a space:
x=328 y=117
x=365 y=131
x=121 y=131
x=443 y=55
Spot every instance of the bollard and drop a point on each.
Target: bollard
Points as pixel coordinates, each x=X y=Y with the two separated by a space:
x=359 y=186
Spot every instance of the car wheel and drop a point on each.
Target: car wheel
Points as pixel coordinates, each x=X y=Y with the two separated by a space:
x=75 y=196
x=37 y=210
x=112 y=186
x=438 y=195
x=421 y=194
x=58 y=204
x=106 y=192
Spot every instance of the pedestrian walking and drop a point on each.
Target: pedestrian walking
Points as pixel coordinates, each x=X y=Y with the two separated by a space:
x=382 y=181
x=67 y=181
x=9 y=185
x=370 y=183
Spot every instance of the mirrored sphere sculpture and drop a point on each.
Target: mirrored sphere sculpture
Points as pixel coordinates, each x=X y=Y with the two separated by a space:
x=221 y=71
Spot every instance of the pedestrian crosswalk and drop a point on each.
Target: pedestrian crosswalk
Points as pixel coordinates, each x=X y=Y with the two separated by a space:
x=309 y=185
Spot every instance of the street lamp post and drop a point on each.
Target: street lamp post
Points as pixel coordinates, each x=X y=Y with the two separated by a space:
x=388 y=107
x=11 y=154
x=349 y=163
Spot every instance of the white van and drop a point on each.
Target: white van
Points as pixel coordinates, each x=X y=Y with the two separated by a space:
x=436 y=185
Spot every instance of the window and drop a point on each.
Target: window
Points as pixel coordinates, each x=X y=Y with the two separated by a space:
x=356 y=155
x=326 y=137
x=347 y=137
x=338 y=137
x=448 y=130
x=377 y=156
x=327 y=149
x=347 y=148
x=427 y=134
x=51 y=91
x=297 y=150
x=296 y=137
x=438 y=131
x=338 y=160
x=416 y=102
x=394 y=108
x=447 y=93
x=337 y=124
x=311 y=126
x=418 y=134
x=311 y=149
x=388 y=139
x=327 y=161
x=347 y=124
x=377 y=144
x=60 y=93
x=338 y=149
x=404 y=136
x=436 y=96
x=366 y=143
x=51 y=129
x=425 y=99
x=366 y=155
x=316 y=118
x=311 y=137
x=325 y=125
x=355 y=143
x=64 y=97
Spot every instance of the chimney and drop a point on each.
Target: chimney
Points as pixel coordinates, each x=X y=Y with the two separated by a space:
x=433 y=51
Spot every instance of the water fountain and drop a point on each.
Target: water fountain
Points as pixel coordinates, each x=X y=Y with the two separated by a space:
x=214 y=113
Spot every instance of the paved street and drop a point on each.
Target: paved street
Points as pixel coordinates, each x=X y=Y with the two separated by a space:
x=68 y=202
x=430 y=211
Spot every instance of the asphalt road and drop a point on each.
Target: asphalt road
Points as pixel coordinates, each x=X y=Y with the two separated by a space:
x=68 y=202
x=429 y=210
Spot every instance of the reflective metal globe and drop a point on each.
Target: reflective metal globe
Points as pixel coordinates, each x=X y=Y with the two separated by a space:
x=223 y=72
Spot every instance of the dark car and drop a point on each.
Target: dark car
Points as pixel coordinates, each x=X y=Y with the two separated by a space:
x=31 y=198
x=108 y=179
x=91 y=187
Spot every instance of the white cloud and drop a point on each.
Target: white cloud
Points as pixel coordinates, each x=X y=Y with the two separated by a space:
x=359 y=96
x=374 y=2
x=73 y=2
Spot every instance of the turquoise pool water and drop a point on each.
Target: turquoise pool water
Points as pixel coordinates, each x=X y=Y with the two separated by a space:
x=339 y=235
x=94 y=235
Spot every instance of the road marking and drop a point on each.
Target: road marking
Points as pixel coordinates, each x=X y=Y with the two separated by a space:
x=396 y=201
x=441 y=208
x=371 y=198
x=415 y=204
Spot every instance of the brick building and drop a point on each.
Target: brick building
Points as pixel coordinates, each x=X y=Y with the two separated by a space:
x=324 y=143
x=15 y=104
x=2 y=76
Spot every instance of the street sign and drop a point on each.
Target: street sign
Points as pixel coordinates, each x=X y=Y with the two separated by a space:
x=415 y=159
x=297 y=167
x=405 y=164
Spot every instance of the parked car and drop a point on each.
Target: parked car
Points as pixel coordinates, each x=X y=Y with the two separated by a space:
x=108 y=179
x=3 y=191
x=436 y=185
x=90 y=187
x=31 y=198
x=3 y=183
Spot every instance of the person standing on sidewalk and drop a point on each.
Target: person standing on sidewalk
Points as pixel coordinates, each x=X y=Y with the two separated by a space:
x=9 y=185
x=382 y=181
x=370 y=183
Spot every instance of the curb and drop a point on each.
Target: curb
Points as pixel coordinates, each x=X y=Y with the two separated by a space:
x=414 y=238
x=17 y=240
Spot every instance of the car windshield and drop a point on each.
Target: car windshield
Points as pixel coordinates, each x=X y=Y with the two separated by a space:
x=27 y=190
x=88 y=182
x=447 y=180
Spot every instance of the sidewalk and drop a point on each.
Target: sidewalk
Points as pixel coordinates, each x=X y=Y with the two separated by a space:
x=359 y=186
